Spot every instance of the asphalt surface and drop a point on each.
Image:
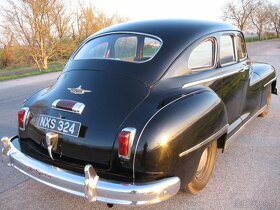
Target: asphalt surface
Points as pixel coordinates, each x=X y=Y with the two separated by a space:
x=246 y=176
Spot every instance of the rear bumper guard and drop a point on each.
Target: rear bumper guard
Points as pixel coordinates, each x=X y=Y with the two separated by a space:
x=88 y=185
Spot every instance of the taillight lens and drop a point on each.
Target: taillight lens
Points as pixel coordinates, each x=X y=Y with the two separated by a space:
x=23 y=118
x=126 y=138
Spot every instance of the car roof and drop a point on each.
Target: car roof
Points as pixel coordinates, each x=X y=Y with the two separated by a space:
x=176 y=35
x=182 y=29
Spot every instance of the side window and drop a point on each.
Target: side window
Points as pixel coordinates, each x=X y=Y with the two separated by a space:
x=241 y=48
x=203 y=56
x=227 y=54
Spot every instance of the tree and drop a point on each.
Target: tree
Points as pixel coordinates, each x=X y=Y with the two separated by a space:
x=89 y=20
x=7 y=41
x=259 y=17
x=40 y=26
x=274 y=17
x=239 y=13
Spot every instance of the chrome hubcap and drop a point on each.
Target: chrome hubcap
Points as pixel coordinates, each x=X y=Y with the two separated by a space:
x=202 y=162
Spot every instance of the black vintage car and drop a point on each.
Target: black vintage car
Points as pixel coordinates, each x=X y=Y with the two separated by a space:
x=140 y=110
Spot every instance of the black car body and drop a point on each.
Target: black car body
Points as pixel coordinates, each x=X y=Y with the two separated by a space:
x=140 y=110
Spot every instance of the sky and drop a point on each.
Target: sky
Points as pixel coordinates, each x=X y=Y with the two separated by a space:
x=158 y=9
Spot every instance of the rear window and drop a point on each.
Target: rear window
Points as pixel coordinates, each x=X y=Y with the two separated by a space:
x=125 y=47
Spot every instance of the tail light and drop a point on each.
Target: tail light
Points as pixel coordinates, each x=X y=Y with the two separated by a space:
x=126 y=138
x=23 y=118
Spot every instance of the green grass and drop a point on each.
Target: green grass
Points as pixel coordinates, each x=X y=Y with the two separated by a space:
x=256 y=38
x=252 y=39
x=36 y=72
x=27 y=70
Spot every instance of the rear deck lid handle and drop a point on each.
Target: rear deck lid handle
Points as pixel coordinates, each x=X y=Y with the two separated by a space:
x=68 y=106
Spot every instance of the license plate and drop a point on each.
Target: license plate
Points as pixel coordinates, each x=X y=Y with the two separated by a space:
x=63 y=126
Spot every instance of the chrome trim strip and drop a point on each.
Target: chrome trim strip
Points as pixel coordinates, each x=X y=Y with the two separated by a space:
x=210 y=79
x=78 y=108
x=88 y=184
x=229 y=140
x=214 y=136
x=270 y=81
x=233 y=125
x=55 y=103
x=121 y=32
x=131 y=139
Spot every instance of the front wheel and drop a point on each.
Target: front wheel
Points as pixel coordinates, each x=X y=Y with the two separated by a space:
x=204 y=169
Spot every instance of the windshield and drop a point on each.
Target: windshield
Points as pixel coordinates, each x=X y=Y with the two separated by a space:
x=126 y=47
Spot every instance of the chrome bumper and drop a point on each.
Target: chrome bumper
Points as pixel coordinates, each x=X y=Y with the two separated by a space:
x=90 y=185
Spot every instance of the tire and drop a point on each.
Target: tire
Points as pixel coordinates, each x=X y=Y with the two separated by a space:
x=204 y=169
x=268 y=102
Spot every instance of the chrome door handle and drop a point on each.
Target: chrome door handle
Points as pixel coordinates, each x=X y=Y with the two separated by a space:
x=242 y=70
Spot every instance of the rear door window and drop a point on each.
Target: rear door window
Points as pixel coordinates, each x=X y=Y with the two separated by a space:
x=202 y=57
x=227 y=50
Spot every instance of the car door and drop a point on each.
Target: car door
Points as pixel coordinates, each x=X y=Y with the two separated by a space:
x=235 y=78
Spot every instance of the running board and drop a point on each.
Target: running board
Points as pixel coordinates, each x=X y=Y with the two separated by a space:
x=233 y=137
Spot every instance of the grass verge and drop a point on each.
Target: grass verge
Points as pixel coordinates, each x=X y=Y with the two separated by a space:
x=26 y=71
x=33 y=73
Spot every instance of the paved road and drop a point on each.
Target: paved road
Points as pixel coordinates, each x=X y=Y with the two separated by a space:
x=246 y=176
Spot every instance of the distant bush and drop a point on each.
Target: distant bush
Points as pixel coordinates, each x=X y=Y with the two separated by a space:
x=266 y=36
x=251 y=39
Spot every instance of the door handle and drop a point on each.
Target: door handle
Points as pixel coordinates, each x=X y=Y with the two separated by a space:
x=242 y=70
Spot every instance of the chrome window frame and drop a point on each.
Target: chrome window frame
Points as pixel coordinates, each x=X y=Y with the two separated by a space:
x=246 y=53
x=214 y=56
x=113 y=33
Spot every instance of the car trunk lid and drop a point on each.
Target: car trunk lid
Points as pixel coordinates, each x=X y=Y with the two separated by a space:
x=107 y=98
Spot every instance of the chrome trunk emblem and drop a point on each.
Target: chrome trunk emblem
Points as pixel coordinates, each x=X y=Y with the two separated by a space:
x=78 y=90
x=51 y=142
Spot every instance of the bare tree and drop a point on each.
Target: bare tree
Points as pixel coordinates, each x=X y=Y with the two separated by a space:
x=259 y=17
x=274 y=17
x=90 y=20
x=7 y=42
x=239 y=13
x=40 y=26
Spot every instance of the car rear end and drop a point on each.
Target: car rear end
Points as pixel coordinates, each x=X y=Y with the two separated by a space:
x=69 y=132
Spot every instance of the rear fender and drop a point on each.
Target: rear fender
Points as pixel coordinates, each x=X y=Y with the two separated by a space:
x=173 y=139
x=266 y=77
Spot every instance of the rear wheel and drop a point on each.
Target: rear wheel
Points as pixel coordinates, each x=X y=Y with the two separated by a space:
x=268 y=101
x=204 y=169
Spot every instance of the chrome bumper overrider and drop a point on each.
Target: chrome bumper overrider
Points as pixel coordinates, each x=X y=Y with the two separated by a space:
x=89 y=185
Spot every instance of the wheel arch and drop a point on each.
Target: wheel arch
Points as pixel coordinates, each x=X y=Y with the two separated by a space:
x=160 y=153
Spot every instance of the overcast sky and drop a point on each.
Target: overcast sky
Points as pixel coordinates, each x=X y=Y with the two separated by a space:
x=157 y=9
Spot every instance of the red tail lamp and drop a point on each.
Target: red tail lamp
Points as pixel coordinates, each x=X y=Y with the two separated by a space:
x=125 y=139
x=23 y=118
